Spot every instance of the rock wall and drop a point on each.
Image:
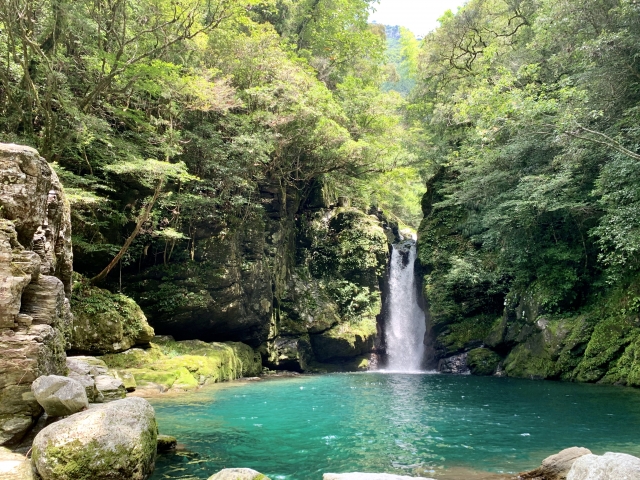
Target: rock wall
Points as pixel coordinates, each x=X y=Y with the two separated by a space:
x=300 y=281
x=484 y=323
x=35 y=283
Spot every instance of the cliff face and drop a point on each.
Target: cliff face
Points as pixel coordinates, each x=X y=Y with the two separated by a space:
x=35 y=283
x=485 y=323
x=299 y=282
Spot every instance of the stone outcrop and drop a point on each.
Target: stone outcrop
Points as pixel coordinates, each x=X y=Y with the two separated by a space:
x=610 y=466
x=100 y=384
x=166 y=443
x=105 y=322
x=60 y=396
x=329 y=309
x=238 y=474
x=113 y=441
x=35 y=283
x=556 y=467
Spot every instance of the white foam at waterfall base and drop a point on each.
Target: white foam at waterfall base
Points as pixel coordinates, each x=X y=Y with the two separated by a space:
x=405 y=326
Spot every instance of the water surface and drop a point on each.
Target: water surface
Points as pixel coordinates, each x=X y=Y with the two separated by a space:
x=411 y=424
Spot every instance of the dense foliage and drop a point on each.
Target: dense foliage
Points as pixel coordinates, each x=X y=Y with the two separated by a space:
x=162 y=116
x=532 y=108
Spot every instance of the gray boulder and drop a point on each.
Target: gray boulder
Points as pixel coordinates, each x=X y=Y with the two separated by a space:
x=60 y=396
x=610 y=466
x=238 y=474
x=556 y=467
x=112 y=441
x=368 y=476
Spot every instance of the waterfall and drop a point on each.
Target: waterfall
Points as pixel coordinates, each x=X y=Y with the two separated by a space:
x=405 y=325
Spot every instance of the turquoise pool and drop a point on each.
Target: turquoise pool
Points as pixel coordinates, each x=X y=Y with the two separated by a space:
x=419 y=424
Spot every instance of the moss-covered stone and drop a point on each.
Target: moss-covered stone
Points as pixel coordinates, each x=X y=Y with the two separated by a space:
x=186 y=365
x=116 y=440
x=105 y=322
x=482 y=361
x=346 y=340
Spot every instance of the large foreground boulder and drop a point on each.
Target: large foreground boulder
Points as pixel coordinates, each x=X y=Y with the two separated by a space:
x=60 y=396
x=369 y=476
x=238 y=474
x=610 y=466
x=112 y=441
x=556 y=467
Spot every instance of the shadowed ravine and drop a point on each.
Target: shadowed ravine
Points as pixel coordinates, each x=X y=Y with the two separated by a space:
x=414 y=424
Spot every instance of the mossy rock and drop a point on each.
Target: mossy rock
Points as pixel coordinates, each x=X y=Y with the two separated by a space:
x=482 y=361
x=530 y=360
x=121 y=443
x=105 y=322
x=186 y=365
x=346 y=340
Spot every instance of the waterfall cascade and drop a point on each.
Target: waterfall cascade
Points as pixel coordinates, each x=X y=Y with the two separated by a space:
x=405 y=326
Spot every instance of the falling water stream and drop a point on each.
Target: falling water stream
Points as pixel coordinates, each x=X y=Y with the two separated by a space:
x=405 y=327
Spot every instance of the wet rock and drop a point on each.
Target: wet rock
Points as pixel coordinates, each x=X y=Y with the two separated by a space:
x=109 y=388
x=238 y=474
x=114 y=441
x=290 y=353
x=14 y=466
x=167 y=443
x=368 y=476
x=556 y=467
x=60 y=396
x=346 y=340
x=610 y=466
x=455 y=364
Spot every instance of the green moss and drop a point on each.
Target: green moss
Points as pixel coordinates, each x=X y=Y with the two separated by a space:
x=483 y=361
x=188 y=364
x=458 y=336
x=346 y=340
x=609 y=339
x=530 y=360
x=105 y=322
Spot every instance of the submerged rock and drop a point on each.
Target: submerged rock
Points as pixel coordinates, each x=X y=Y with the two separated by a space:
x=238 y=474
x=60 y=396
x=482 y=361
x=556 y=467
x=114 y=441
x=368 y=476
x=610 y=466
